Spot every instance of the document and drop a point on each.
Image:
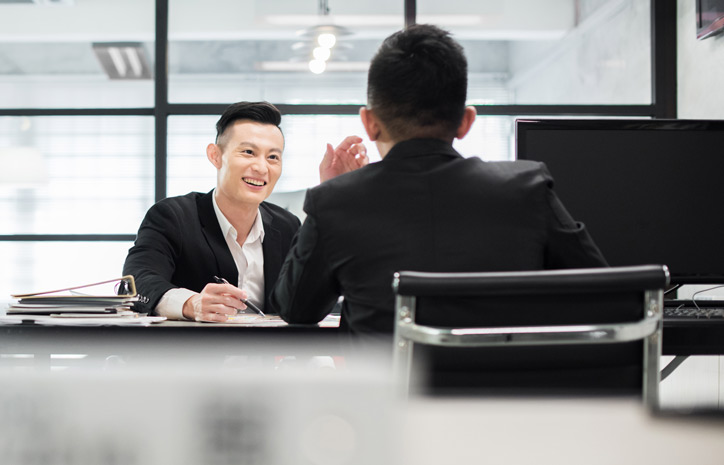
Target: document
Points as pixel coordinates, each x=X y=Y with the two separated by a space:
x=104 y=297
x=101 y=303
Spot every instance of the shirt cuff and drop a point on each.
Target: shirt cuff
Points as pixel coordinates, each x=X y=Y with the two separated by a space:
x=171 y=304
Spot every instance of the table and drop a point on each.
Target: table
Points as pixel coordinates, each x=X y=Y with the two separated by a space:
x=704 y=337
x=168 y=340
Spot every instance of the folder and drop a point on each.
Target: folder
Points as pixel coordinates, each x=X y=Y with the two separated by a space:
x=111 y=296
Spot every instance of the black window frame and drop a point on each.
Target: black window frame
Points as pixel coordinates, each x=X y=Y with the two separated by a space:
x=663 y=103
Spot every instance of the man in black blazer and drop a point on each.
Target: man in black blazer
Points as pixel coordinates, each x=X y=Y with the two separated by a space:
x=185 y=242
x=423 y=207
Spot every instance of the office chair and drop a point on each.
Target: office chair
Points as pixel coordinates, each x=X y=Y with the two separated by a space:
x=581 y=331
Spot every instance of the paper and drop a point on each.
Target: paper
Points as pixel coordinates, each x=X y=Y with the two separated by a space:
x=85 y=320
x=124 y=287
x=111 y=296
x=102 y=303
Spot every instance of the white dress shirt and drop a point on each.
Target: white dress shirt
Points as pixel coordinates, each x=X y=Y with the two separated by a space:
x=249 y=259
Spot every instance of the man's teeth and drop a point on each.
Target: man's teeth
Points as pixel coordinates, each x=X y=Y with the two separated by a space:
x=254 y=182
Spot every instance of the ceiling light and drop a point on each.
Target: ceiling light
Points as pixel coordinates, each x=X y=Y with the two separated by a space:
x=321 y=53
x=317 y=66
x=123 y=60
x=327 y=39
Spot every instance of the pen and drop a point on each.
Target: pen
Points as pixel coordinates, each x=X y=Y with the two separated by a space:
x=246 y=302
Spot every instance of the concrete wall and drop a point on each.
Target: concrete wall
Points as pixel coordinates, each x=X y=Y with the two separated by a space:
x=603 y=60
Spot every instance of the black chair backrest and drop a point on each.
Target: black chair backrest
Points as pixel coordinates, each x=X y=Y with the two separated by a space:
x=548 y=298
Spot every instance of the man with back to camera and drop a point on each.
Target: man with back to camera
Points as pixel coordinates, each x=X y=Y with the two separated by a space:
x=184 y=243
x=423 y=207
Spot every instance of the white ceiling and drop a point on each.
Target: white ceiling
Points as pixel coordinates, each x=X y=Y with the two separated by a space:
x=54 y=37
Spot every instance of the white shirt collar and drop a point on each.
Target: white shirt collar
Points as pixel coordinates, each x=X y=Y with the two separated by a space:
x=257 y=229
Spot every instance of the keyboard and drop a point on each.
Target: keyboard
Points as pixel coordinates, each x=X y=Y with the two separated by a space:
x=690 y=312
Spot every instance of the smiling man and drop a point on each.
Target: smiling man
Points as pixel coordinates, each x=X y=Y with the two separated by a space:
x=185 y=242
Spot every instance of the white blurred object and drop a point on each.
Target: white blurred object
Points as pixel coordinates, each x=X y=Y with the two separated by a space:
x=22 y=167
x=292 y=201
x=163 y=416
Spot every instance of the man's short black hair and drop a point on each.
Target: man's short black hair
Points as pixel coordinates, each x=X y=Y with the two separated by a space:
x=260 y=112
x=417 y=83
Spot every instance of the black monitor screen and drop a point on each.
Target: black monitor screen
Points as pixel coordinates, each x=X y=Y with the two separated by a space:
x=649 y=191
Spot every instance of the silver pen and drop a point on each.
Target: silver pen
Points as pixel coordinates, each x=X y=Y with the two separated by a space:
x=246 y=302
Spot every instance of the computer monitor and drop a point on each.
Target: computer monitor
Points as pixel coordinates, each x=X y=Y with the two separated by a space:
x=649 y=191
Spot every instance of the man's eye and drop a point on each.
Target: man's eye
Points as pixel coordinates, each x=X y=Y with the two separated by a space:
x=274 y=157
x=247 y=151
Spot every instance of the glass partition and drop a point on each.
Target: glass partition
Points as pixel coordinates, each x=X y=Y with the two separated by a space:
x=225 y=51
x=76 y=54
x=75 y=174
x=306 y=136
x=559 y=52
x=44 y=266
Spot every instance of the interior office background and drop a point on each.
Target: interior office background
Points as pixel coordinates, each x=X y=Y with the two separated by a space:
x=80 y=156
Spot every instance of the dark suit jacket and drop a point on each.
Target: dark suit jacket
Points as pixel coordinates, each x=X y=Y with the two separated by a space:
x=424 y=208
x=180 y=244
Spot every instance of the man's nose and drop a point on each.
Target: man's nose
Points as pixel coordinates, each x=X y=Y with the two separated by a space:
x=260 y=166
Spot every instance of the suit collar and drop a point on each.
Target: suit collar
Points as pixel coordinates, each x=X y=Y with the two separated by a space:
x=215 y=238
x=415 y=148
x=272 y=246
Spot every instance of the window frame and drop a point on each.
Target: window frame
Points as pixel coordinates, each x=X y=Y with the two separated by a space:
x=663 y=102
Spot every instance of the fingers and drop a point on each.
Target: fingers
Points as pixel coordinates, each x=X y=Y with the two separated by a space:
x=224 y=289
x=354 y=158
x=359 y=151
x=328 y=158
x=217 y=302
x=347 y=143
x=349 y=155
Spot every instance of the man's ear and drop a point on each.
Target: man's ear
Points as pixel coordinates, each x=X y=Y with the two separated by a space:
x=370 y=123
x=213 y=153
x=466 y=123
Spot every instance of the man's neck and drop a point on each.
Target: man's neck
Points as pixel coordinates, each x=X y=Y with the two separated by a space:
x=384 y=146
x=241 y=216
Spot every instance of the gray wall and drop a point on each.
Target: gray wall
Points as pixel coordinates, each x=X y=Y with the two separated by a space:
x=604 y=59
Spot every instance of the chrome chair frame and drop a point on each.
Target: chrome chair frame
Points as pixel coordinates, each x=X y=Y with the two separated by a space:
x=649 y=328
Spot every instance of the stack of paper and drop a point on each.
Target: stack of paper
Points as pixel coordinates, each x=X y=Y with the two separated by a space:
x=102 y=303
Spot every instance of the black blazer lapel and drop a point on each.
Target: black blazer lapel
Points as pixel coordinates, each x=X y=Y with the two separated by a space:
x=272 y=247
x=215 y=239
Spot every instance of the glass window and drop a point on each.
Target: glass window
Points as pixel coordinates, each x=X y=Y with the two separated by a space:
x=76 y=54
x=222 y=51
x=490 y=138
x=306 y=137
x=44 y=266
x=551 y=51
x=75 y=174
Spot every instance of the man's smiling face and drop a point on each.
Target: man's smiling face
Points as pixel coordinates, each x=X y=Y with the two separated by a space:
x=249 y=162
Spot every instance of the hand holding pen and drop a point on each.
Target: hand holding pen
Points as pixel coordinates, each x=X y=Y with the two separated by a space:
x=246 y=302
x=215 y=303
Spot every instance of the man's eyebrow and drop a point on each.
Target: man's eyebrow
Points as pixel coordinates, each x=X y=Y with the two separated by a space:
x=254 y=146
